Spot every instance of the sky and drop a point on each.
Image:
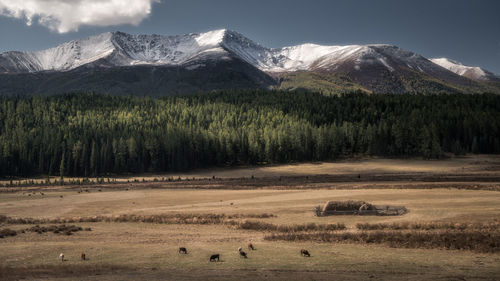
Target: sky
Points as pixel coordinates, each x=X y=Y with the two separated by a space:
x=464 y=30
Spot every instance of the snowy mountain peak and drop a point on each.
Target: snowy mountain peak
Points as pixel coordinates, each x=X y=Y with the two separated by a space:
x=122 y=49
x=211 y=38
x=222 y=58
x=112 y=49
x=472 y=72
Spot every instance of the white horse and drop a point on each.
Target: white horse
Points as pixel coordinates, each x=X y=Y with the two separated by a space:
x=61 y=256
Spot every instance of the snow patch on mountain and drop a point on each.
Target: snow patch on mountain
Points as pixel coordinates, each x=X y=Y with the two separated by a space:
x=164 y=50
x=301 y=57
x=472 y=72
x=455 y=66
x=211 y=38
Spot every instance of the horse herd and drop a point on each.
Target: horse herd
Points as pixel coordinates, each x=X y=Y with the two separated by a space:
x=243 y=254
x=213 y=257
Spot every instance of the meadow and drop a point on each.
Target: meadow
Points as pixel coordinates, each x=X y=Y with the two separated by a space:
x=132 y=229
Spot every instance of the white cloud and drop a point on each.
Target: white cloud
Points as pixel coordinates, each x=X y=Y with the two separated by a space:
x=68 y=15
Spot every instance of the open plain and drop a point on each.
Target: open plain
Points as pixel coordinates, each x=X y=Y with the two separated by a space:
x=133 y=227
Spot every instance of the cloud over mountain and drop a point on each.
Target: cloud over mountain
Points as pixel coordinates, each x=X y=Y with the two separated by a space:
x=68 y=15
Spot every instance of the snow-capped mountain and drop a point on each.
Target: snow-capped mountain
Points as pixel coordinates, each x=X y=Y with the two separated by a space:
x=119 y=49
x=472 y=72
x=64 y=57
x=123 y=49
x=377 y=67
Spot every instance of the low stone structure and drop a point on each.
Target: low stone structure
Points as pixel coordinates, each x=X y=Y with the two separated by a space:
x=357 y=208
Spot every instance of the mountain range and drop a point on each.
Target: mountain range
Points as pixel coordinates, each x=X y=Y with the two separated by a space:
x=122 y=64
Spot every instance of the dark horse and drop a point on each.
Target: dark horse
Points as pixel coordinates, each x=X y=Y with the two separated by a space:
x=214 y=257
x=183 y=250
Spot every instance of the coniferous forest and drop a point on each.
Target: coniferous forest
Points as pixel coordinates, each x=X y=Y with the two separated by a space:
x=92 y=135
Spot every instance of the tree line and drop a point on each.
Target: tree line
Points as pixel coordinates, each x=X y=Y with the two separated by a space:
x=93 y=135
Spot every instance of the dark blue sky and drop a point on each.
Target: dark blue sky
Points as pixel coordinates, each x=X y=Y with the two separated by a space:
x=463 y=30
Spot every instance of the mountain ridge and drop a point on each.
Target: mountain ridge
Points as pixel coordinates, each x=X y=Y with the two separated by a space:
x=375 y=67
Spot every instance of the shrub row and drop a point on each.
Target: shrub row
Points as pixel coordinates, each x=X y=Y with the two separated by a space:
x=490 y=226
x=453 y=240
x=6 y=232
x=57 y=229
x=86 y=181
x=163 y=218
x=184 y=219
x=257 y=225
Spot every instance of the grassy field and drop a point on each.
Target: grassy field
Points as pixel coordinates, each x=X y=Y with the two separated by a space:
x=465 y=165
x=141 y=250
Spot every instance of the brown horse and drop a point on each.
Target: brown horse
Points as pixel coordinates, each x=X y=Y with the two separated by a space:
x=305 y=253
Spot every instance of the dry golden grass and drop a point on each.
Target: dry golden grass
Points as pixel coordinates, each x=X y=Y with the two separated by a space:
x=138 y=247
x=139 y=250
x=470 y=164
x=290 y=206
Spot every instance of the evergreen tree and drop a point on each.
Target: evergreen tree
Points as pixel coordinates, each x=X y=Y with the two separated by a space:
x=130 y=134
x=62 y=167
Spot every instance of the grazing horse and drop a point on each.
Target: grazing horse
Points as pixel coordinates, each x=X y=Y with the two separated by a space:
x=83 y=257
x=61 y=256
x=305 y=253
x=250 y=246
x=183 y=250
x=214 y=257
x=242 y=254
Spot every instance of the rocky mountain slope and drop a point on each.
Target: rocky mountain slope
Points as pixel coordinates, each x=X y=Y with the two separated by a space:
x=119 y=63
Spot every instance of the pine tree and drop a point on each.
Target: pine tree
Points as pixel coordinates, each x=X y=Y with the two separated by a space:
x=474 y=146
x=94 y=160
x=62 y=167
